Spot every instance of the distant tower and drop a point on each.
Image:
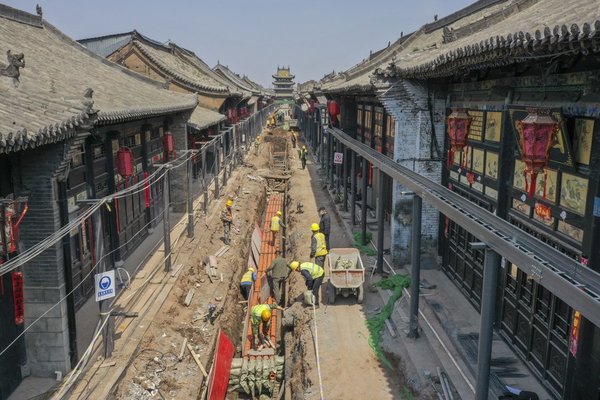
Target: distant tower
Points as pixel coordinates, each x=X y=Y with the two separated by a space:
x=284 y=84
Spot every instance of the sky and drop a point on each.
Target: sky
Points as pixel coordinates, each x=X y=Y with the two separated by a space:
x=253 y=37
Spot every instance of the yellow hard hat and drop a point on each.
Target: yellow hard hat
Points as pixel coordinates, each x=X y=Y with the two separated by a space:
x=304 y=147
x=265 y=315
x=294 y=265
x=229 y=203
x=251 y=269
x=314 y=227
x=279 y=213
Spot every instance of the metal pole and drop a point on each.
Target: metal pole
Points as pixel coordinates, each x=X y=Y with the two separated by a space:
x=224 y=147
x=338 y=171
x=190 y=199
x=323 y=157
x=318 y=145
x=204 y=180
x=330 y=162
x=363 y=209
x=486 y=326
x=353 y=188
x=217 y=164
x=166 y=227
x=415 y=271
x=380 y=214
x=346 y=166
x=107 y=338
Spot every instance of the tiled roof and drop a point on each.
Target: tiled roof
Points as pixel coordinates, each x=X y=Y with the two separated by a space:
x=234 y=79
x=180 y=68
x=203 y=118
x=49 y=102
x=517 y=30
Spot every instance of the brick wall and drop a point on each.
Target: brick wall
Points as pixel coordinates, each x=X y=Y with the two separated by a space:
x=47 y=341
x=415 y=148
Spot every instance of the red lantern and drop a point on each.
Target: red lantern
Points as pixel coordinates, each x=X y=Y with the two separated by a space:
x=537 y=134
x=458 y=131
x=334 y=110
x=125 y=162
x=311 y=107
x=168 y=145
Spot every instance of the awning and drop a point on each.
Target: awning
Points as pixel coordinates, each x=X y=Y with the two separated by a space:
x=322 y=99
x=203 y=118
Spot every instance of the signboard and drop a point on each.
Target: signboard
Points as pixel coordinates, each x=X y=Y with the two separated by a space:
x=574 y=339
x=596 y=207
x=338 y=158
x=105 y=285
x=218 y=379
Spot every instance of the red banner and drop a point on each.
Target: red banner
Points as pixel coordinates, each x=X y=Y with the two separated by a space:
x=574 y=340
x=18 y=297
x=218 y=380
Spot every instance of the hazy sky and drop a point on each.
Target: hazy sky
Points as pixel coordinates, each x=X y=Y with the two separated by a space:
x=252 y=37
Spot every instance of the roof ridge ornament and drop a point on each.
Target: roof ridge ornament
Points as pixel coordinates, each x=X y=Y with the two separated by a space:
x=11 y=71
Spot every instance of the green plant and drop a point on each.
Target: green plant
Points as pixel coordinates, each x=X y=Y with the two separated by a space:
x=376 y=323
x=365 y=248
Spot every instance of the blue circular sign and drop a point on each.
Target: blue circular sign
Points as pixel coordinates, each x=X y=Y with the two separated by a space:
x=104 y=283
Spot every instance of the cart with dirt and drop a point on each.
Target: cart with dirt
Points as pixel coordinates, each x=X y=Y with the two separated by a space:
x=346 y=273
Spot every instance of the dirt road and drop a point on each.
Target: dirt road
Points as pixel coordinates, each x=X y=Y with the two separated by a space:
x=349 y=368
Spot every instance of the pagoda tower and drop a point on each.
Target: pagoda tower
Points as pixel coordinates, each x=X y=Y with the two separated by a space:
x=284 y=84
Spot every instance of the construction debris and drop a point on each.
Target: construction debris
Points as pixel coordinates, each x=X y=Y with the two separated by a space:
x=188 y=298
x=183 y=347
x=197 y=359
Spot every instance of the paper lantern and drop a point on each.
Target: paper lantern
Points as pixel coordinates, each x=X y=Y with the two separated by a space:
x=537 y=134
x=125 y=162
x=458 y=131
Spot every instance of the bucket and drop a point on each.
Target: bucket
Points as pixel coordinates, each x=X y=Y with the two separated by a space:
x=308 y=297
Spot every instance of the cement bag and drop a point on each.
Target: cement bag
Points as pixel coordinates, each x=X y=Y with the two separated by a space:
x=344 y=263
x=308 y=297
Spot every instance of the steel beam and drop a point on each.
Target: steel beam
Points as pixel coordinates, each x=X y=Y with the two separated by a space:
x=166 y=227
x=380 y=215
x=566 y=278
x=415 y=269
x=486 y=326
x=353 y=188
x=363 y=209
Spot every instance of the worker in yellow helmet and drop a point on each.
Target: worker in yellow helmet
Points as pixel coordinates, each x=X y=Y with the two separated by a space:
x=313 y=275
x=276 y=225
x=294 y=139
x=261 y=313
x=246 y=282
x=227 y=220
x=318 y=245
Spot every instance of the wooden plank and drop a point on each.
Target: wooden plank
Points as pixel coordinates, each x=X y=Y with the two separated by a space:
x=183 y=347
x=189 y=297
x=197 y=359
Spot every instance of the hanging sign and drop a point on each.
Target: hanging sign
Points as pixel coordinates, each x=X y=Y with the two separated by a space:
x=574 y=337
x=338 y=158
x=596 y=207
x=105 y=285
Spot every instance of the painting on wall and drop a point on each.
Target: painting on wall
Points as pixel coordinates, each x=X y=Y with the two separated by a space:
x=478 y=157
x=519 y=177
x=584 y=131
x=573 y=193
x=571 y=231
x=493 y=126
x=476 y=125
x=546 y=183
x=491 y=165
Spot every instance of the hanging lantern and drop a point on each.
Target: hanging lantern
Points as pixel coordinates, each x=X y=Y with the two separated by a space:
x=311 y=107
x=125 y=162
x=458 y=131
x=537 y=134
x=334 y=110
x=168 y=145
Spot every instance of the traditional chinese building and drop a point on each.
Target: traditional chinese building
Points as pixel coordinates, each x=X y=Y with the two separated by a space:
x=284 y=84
x=503 y=69
x=254 y=94
x=73 y=127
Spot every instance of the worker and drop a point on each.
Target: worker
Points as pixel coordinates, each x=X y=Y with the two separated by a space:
x=246 y=282
x=325 y=225
x=318 y=247
x=256 y=144
x=313 y=277
x=261 y=313
x=277 y=273
x=294 y=138
x=303 y=155
x=276 y=224
x=227 y=219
